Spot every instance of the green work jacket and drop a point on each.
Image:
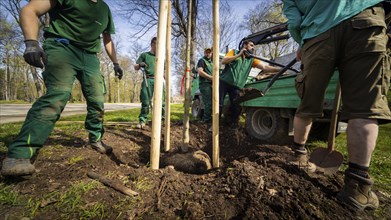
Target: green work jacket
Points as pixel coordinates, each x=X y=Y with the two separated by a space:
x=208 y=68
x=236 y=72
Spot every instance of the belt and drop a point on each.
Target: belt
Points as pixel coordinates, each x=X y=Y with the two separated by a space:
x=150 y=77
x=64 y=41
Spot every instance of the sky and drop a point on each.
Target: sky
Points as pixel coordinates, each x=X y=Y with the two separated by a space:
x=123 y=30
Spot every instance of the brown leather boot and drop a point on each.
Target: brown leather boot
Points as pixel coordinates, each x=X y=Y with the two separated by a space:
x=357 y=192
x=17 y=167
x=101 y=147
x=300 y=160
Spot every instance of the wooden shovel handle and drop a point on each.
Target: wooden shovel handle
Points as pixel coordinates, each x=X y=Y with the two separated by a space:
x=334 y=118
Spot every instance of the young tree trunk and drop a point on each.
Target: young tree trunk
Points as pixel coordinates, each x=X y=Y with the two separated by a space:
x=118 y=91
x=37 y=83
x=6 y=75
x=108 y=83
x=193 y=51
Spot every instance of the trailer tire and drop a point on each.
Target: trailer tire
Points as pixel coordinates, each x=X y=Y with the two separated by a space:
x=196 y=110
x=267 y=125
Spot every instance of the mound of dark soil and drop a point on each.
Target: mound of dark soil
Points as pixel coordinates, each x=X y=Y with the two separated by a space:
x=254 y=181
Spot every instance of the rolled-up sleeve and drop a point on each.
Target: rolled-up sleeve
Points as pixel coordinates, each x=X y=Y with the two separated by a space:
x=293 y=15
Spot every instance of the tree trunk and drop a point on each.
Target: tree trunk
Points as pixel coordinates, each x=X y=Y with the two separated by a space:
x=118 y=92
x=37 y=83
x=6 y=80
x=134 y=93
x=193 y=53
x=108 y=83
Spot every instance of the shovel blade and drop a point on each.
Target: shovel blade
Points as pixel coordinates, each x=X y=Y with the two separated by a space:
x=248 y=94
x=326 y=161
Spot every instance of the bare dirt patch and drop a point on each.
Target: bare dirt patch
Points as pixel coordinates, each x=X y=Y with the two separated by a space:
x=254 y=181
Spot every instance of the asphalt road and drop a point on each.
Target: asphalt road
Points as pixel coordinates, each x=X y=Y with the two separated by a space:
x=18 y=112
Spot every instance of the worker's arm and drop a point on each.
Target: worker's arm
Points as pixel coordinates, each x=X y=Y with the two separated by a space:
x=29 y=17
x=140 y=62
x=265 y=67
x=293 y=15
x=229 y=57
x=34 y=54
x=109 y=47
x=110 y=50
x=202 y=73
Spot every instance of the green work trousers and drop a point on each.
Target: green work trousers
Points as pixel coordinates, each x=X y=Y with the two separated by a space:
x=65 y=63
x=206 y=93
x=146 y=94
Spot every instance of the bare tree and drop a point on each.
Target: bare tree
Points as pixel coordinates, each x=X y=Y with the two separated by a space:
x=143 y=16
x=135 y=76
x=264 y=15
x=228 y=26
x=13 y=7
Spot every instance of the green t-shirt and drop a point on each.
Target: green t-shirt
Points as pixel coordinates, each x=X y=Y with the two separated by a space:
x=149 y=59
x=82 y=22
x=236 y=72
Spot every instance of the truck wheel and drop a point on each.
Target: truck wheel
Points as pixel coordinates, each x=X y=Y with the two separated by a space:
x=196 y=110
x=267 y=125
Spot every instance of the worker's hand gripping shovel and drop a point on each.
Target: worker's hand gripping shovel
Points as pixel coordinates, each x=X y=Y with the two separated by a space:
x=255 y=93
x=146 y=85
x=327 y=160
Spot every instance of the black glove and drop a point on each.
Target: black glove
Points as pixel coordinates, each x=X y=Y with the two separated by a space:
x=118 y=71
x=142 y=64
x=247 y=53
x=34 y=55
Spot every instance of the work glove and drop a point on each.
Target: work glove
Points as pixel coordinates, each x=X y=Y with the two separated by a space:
x=34 y=54
x=142 y=64
x=118 y=71
x=247 y=53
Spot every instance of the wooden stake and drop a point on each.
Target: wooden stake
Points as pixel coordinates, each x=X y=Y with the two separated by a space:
x=168 y=82
x=121 y=188
x=215 y=84
x=158 y=90
x=186 y=123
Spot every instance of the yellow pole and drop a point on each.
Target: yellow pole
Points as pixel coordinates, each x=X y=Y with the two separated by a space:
x=158 y=90
x=186 y=124
x=168 y=82
x=215 y=84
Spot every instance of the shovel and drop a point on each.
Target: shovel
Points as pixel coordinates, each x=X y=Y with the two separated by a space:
x=146 y=85
x=327 y=160
x=255 y=93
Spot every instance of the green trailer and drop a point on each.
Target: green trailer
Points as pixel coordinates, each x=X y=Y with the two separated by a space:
x=270 y=118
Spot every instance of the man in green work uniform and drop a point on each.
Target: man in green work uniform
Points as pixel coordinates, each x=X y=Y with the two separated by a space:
x=71 y=43
x=147 y=61
x=354 y=41
x=205 y=69
x=234 y=76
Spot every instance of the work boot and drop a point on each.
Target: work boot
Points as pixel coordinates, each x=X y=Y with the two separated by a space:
x=17 y=167
x=357 y=192
x=101 y=147
x=300 y=159
x=140 y=125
